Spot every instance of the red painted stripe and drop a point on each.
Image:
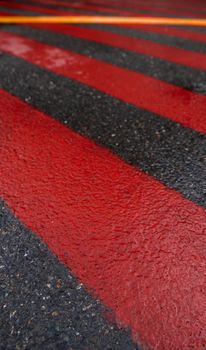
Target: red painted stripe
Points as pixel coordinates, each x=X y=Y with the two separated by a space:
x=137 y=6
x=179 y=56
x=193 y=4
x=152 y=7
x=152 y=10
x=42 y=9
x=82 y=6
x=50 y=10
x=169 y=101
x=167 y=30
x=148 y=8
x=139 y=246
x=33 y=8
x=186 y=34
x=170 y=31
x=29 y=7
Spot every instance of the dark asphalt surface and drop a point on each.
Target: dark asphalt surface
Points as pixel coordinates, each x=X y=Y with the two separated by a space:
x=173 y=154
x=58 y=312
x=182 y=76
x=43 y=305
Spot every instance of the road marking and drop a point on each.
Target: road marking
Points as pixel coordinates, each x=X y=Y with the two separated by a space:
x=137 y=45
x=103 y=19
x=138 y=244
x=169 y=101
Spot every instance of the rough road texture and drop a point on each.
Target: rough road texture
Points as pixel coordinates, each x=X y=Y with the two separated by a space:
x=102 y=180
x=42 y=305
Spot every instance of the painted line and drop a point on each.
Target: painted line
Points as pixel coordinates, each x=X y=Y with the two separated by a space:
x=152 y=10
x=164 y=35
x=170 y=31
x=161 y=29
x=173 y=32
x=188 y=5
x=111 y=49
x=175 y=103
x=134 y=134
x=76 y=7
x=115 y=9
x=139 y=246
x=177 y=55
x=103 y=19
x=33 y=279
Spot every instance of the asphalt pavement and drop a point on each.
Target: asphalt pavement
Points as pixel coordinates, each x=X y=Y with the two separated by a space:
x=103 y=179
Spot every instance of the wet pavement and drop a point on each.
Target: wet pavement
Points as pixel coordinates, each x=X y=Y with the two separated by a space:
x=103 y=179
